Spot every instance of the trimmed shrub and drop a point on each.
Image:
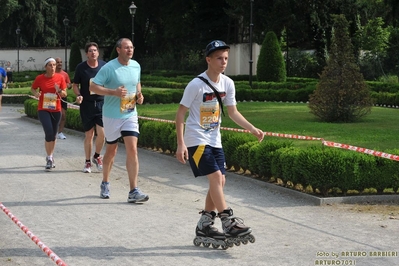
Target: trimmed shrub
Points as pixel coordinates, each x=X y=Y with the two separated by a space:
x=243 y=153
x=386 y=174
x=30 y=106
x=342 y=94
x=271 y=65
x=253 y=163
x=232 y=140
x=73 y=119
x=364 y=171
x=321 y=167
x=75 y=57
x=284 y=165
x=265 y=153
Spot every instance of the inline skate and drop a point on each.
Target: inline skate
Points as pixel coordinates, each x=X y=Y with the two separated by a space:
x=207 y=234
x=234 y=229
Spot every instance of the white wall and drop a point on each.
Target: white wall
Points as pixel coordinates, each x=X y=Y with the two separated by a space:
x=239 y=59
x=33 y=59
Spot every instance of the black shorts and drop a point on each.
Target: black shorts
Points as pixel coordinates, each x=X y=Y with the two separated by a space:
x=9 y=77
x=1 y=91
x=64 y=103
x=91 y=114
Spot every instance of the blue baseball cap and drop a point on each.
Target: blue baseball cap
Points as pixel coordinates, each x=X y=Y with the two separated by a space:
x=215 y=45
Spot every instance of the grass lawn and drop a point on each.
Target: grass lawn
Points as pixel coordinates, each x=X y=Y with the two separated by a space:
x=378 y=131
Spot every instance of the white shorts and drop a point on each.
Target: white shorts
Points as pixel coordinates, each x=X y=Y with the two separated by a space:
x=113 y=127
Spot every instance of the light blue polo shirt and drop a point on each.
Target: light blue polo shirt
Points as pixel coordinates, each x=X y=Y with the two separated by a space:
x=113 y=75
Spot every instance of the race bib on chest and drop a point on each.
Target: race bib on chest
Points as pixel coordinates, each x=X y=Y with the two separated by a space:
x=128 y=103
x=50 y=101
x=209 y=114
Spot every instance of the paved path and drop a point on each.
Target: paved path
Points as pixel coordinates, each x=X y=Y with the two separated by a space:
x=63 y=209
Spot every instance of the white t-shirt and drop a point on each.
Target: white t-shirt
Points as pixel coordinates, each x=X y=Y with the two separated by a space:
x=204 y=119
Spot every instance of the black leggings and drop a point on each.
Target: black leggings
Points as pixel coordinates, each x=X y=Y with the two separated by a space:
x=50 y=122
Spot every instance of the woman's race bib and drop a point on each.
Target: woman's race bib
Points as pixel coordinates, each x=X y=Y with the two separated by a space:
x=50 y=101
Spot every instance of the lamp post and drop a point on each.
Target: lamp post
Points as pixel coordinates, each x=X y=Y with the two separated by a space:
x=66 y=22
x=251 y=25
x=132 y=10
x=18 y=31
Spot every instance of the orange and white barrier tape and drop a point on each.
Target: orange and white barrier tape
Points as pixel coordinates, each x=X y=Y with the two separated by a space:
x=34 y=238
x=280 y=135
x=70 y=105
x=299 y=137
x=361 y=150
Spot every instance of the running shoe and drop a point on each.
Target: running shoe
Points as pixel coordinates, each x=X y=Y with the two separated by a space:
x=49 y=165
x=104 y=190
x=98 y=162
x=87 y=168
x=61 y=136
x=137 y=196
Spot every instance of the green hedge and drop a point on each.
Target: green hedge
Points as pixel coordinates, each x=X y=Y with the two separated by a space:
x=326 y=170
x=243 y=93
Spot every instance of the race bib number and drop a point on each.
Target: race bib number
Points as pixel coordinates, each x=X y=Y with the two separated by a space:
x=209 y=114
x=128 y=103
x=50 y=101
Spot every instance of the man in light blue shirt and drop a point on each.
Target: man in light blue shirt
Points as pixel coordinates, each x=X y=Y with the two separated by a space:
x=119 y=82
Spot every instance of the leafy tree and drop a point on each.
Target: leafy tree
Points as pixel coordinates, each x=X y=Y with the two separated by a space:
x=271 y=66
x=392 y=16
x=75 y=57
x=341 y=94
x=194 y=23
x=39 y=27
x=392 y=57
x=7 y=9
x=375 y=36
x=374 y=39
x=37 y=20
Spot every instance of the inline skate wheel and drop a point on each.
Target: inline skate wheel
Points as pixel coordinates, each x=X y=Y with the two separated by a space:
x=230 y=243
x=237 y=242
x=244 y=241
x=196 y=242
x=224 y=247
x=215 y=246
x=206 y=244
x=251 y=238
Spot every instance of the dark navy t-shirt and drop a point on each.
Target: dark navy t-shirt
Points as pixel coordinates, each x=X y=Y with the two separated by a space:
x=83 y=74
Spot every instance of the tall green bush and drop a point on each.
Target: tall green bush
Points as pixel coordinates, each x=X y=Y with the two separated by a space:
x=271 y=65
x=341 y=94
x=75 y=57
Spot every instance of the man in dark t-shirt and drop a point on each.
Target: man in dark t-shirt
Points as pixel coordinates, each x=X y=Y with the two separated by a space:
x=90 y=106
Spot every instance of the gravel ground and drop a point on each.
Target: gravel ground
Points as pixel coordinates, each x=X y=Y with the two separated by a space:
x=63 y=209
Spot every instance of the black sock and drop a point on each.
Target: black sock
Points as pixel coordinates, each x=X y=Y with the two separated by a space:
x=87 y=161
x=96 y=155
